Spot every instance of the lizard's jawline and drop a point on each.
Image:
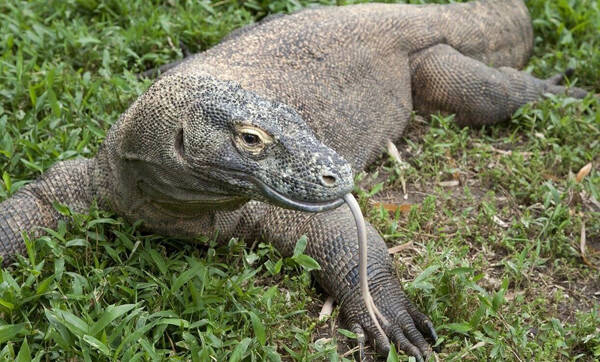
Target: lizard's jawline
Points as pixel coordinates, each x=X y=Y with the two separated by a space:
x=277 y=198
x=190 y=206
x=199 y=203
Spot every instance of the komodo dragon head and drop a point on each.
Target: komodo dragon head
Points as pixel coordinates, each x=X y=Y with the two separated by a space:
x=192 y=142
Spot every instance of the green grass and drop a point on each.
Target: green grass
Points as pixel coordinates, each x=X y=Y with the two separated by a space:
x=495 y=261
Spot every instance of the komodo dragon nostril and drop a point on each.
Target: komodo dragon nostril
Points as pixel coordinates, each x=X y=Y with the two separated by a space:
x=328 y=180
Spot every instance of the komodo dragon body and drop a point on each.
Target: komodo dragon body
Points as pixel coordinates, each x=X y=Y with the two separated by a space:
x=251 y=137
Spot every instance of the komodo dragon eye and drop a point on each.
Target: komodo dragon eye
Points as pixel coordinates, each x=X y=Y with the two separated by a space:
x=252 y=139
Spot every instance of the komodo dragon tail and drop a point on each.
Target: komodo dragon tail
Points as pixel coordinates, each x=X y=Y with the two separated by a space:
x=32 y=207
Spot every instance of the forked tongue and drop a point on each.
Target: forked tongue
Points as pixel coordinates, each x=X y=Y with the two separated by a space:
x=362 y=263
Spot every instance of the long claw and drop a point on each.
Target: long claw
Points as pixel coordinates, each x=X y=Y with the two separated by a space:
x=559 y=79
x=433 y=335
x=555 y=85
x=423 y=323
x=568 y=72
x=382 y=344
x=417 y=339
x=404 y=344
x=360 y=339
x=431 y=331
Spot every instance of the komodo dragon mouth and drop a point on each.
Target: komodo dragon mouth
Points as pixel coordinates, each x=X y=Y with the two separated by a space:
x=198 y=203
x=280 y=199
x=262 y=191
x=182 y=201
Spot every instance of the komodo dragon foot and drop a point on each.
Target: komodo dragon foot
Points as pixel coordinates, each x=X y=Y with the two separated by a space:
x=407 y=327
x=333 y=243
x=555 y=85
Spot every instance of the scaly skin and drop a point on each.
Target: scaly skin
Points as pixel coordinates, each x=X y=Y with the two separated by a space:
x=324 y=89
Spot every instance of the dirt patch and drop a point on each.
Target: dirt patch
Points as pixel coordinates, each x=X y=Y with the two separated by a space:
x=579 y=284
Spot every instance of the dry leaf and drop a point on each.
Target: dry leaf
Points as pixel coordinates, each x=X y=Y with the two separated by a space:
x=326 y=309
x=451 y=183
x=393 y=151
x=585 y=170
x=499 y=222
x=394 y=154
x=477 y=345
x=582 y=242
x=404 y=208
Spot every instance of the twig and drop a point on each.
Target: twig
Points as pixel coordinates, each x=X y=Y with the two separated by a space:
x=398 y=248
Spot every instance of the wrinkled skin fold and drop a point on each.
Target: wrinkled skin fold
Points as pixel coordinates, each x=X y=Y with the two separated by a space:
x=242 y=139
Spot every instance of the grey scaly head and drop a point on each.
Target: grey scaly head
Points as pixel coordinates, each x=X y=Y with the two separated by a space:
x=225 y=145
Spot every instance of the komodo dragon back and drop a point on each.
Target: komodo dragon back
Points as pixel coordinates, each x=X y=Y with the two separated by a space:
x=252 y=137
x=347 y=70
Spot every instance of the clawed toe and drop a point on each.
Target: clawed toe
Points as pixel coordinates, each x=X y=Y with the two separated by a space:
x=360 y=339
x=405 y=344
x=559 y=79
x=555 y=85
x=432 y=335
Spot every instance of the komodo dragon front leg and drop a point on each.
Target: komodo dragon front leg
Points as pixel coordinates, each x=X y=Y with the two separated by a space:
x=32 y=207
x=445 y=80
x=333 y=243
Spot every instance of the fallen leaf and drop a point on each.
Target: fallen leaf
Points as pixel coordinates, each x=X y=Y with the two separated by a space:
x=582 y=242
x=451 y=183
x=585 y=170
x=477 y=345
x=395 y=155
x=393 y=151
x=404 y=208
x=499 y=222
x=326 y=309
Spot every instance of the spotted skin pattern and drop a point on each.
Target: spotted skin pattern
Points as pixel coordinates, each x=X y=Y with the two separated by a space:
x=327 y=87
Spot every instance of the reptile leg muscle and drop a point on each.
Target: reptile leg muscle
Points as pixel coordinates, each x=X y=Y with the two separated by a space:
x=332 y=242
x=31 y=207
x=445 y=80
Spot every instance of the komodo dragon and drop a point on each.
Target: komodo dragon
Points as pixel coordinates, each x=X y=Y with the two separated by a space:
x=252 y=137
